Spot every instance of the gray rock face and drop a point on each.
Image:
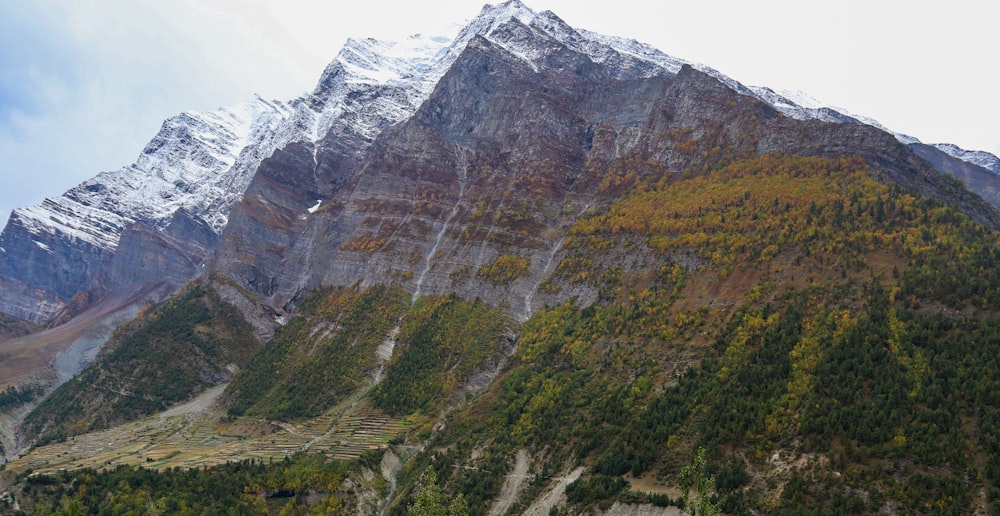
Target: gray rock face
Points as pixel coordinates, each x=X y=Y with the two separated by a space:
x=983 y=181
x=519 y=101
x=521 y=120
x=40 y=271
x=499 y=161
x=175 y=254
x=198 y=163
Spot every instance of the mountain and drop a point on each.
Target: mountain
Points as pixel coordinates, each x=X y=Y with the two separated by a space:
x=198 y=162
x=980 y=158
x=203 y=163
x=978 y=170
x=151 y=227
x=543 y=269
x=489 y=169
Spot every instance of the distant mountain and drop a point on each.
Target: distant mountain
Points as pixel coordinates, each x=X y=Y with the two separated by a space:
x=802 y=106
x=197 y=162
x=979 y=158
x=201 y=163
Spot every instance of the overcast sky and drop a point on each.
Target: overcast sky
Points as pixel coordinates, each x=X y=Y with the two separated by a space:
x=85 y=84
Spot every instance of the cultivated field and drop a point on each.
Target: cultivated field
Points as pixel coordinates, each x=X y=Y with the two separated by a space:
x=195 y=435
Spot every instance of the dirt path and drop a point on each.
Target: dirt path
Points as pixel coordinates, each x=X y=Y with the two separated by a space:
x=555 y=495
x=512 y=485
x=202 y=403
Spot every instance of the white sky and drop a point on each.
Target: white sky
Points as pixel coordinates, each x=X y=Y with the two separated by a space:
x=85 y=84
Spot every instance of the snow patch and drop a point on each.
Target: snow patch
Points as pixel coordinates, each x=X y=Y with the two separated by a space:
x=982 y=158
x=315 y=208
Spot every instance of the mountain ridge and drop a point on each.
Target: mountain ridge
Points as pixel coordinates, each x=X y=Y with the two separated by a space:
x=567 y=265
x=98 y=210
x=319 y=146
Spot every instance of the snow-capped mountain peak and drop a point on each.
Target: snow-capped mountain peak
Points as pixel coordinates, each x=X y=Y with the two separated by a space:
x=493 y=16
x=377 y=62
x=189 y=164
x=204 y=162
x=982 y=158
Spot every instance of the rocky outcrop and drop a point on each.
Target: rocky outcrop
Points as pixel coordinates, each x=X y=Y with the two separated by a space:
x=175 y=254
x=43 y=270
x=980 y=180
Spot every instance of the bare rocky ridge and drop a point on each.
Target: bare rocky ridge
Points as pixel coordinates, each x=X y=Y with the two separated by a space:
x=983 y=181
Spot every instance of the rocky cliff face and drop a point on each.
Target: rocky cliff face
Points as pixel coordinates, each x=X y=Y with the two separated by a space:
x=204 y=163
x=175 y=254
x=200 y=163
x=461 y=169
x=197 y=162
x=528 y=128
x=976 y=176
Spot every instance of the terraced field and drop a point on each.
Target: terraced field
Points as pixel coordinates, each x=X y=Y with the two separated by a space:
x=352 y=435
x=194 y=435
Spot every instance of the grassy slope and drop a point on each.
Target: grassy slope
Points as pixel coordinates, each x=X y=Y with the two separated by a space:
x=192 y=342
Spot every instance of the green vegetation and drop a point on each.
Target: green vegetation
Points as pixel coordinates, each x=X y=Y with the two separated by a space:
x=817 y=341
x=430 y=502
x=864 y=349
x=17 y=395
x=443 y=342
x=298 y=485
x=320 y=357
x=695 y=477
x=160 y=359
x=328 y=352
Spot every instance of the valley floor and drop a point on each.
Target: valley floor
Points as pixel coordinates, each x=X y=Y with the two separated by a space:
x=194 y=434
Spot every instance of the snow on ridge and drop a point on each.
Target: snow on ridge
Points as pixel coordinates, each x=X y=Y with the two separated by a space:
x=376 y=62
x=795 y=104
x=634 y=49
x=800 y=105
x=983 y=159
x=55 y=217
x=203 y=162
x=601 y=48
x=187 y=164
x=393 y=77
